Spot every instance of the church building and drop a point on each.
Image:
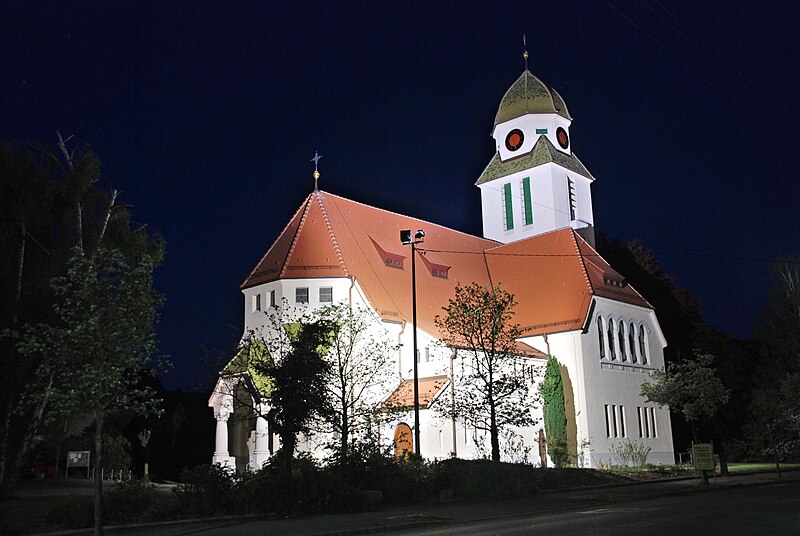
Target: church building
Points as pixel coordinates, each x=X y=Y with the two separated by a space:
x=537 y=244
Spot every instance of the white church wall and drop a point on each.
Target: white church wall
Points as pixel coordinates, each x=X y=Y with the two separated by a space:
x=612 y=386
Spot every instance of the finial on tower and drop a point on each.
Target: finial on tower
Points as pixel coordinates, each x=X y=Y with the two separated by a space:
x=525 y=51
x=316 y=158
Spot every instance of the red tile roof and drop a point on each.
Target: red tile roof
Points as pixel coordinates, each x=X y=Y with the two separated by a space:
x=403 y=396
x=553 y=276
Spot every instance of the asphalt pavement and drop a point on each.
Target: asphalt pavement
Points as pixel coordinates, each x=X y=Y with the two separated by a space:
x=438 y=514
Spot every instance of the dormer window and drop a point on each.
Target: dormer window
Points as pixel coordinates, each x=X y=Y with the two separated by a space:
x=435 y=264
x=390 y=258
x=395 y=261
x=614 y=281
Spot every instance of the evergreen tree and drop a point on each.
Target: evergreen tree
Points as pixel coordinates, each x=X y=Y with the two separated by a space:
x=555 y=415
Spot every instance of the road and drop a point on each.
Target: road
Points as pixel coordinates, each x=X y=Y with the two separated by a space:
x=765 y=511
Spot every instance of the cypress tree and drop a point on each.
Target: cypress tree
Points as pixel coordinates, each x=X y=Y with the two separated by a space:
x=555 y=415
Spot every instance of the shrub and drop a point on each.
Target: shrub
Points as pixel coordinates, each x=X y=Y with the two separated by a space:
x=208 y=490
x=133 y=500
x=631 y=453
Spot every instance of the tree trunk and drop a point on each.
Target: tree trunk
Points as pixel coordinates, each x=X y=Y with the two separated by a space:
x=98 y=475
x=14 y=467
x=493 y=432
x=345 y=432
x=20 y=266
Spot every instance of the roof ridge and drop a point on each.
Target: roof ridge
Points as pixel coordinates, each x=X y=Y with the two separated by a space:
x=274 y=242
x=331 y=234
x=426 y=222
x=582 y=261
x=615 y=270
x=300 y=225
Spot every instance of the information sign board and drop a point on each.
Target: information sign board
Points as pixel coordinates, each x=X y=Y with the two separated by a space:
x=703 y=456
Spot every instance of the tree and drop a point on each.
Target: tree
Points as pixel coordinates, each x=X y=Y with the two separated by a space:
x=691 y=389
x=493 y=392
x=555 y=413
x=297 y=395
x=57 y=226
x=84 y=348
x=360 y=365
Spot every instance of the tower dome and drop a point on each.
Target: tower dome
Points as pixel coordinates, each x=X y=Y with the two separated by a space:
x=529 y=95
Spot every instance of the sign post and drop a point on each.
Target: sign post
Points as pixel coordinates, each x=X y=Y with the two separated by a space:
x=77 y=458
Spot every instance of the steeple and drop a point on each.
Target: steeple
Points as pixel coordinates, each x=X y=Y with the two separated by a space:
x=534 y=183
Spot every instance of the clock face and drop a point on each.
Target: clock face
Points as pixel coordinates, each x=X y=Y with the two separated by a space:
x=514 y=139
x=561 y=136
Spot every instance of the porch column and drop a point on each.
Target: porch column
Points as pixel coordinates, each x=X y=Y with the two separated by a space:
x=221 y=455
x=261 y=453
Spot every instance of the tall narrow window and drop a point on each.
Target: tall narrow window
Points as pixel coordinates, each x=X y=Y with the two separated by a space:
x=612 y=352
x=527 y=205
x=508 y=208
x=272 y=298
x=653 y=431
x=622 y=421
x=614 y=425
x=642 y=345
x=608 y=420
x=639 y=420
x=257 y=302
x=601 y=338
x=632 y=341
x=571 y=193
x=621 y=336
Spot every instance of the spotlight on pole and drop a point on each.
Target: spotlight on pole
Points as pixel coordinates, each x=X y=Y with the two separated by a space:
x=405 y=239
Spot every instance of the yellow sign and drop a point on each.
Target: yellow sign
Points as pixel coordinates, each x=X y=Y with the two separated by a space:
x=703 y=456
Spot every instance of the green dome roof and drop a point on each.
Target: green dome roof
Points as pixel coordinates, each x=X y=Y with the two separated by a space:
x=529 y=95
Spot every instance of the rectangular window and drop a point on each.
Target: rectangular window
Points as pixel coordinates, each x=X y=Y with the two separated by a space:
x=257 y=302
x=527 y=205
x=571 y=192
x=326 y=294
x=622 y=422
x=639 y=420
x=301 y=295
x=508 y=208
x=441 y=440
x=427 y=354
x=272 y=298
x=608 y=421
x=615 y=426
x=654 y=433
x=541 y=131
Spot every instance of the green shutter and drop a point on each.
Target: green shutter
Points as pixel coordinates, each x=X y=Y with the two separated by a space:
x=541 y=131
x=509 y=208
x=526 y=199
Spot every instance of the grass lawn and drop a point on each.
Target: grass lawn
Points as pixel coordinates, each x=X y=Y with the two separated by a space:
x=743 y=468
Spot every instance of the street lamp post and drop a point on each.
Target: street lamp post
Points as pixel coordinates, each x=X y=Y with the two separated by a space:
x=405 y=239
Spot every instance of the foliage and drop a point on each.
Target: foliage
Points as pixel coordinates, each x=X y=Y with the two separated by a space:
x=631 y=453
x=85 y=353
x=555 y=415
x=208 y=490
x=133 y=501
x=298 y=379
x=492 y=392
x=359 y=360
x=691 y=388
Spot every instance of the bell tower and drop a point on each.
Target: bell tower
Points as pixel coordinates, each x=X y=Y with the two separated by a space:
x=534 y=183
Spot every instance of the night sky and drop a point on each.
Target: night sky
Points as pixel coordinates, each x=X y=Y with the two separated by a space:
x=206 y=116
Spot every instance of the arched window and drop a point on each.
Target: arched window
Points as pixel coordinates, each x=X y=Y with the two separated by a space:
x=612 y=352
x=632 y=341
x=621 y=336
x=642 y=344
x=601 y=338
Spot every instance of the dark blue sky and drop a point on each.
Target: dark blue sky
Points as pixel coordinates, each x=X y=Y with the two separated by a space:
x=206 y=115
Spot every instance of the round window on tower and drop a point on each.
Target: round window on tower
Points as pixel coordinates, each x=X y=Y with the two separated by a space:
x=563 y=139
x=514 y=139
